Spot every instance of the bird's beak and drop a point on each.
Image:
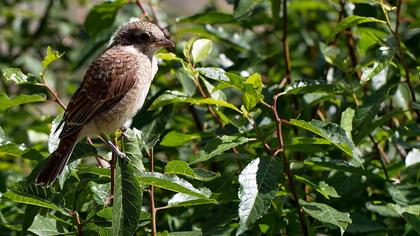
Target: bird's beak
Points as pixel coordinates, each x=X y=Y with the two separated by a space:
x=165 y=43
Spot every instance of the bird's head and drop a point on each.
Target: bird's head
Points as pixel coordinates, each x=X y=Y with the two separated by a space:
x=146 y=36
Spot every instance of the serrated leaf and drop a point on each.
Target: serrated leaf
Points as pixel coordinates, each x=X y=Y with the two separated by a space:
x=183 y=200
x=312 y=86
x=31 y=200
x=179 y=167
x=323 y=188
x=200 y=49
x=50 y=57
x=351 y=21
x=128 y=189
x=171 y=97
x=172 y=183
x=44 y=226
x=16 y=76
x=219 y=145
x=6 y=102
x=102 y=16
x=258 y=186
x=327 y=214
x=213 y=73
x=333 y=133
x=175 y=139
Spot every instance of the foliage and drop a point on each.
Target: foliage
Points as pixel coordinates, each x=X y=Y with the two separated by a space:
x=268 y=118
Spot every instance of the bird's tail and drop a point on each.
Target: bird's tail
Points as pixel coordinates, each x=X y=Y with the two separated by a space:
x=57 y=160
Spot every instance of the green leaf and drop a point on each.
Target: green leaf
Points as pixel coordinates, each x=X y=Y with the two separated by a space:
x=175 y=139
x=184 y=200
x=128 y=189
x=16 y=76
x=243 y=7
x=411 y=214
x=351 y=21
x=172 y=183
x=380 y=64
x=100 y=192
x=44 y=226
x=102 y=16
x=200 y=49
x=207 y=18
x=182 y=168
x=31 y=200
x=327 y=214
x=6 y=102
x=306 y=144
x=213 y=73
x=171 y=97
x=333 y=133
x=218 y=146
x=323 y=188
x=258 y=186
x=311 y=86
x=253 y=97
x=50 y=57
x=169 y=56
x=347 y=120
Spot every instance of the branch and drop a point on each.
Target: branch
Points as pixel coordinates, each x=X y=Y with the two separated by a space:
x=286 y=166
x=79 y=225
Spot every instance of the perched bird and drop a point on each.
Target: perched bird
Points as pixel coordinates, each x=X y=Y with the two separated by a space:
x=113 y=90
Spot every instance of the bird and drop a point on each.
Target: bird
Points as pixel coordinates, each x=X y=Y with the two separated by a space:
x=112 y=91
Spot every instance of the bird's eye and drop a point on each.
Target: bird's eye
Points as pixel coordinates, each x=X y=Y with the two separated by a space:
x=144 y=37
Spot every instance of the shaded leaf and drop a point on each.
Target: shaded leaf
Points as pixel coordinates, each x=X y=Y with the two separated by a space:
x=102 y=16
x=182 y=168
x=175 y=139
x=171 y=97
x=207 y=18
x=44 y=226
x=351 y=21
x=327 y=214
x=323 y=188
x=31 y=200
x=6 y=102
x=258 y=186
x=243 y=7
x=219 y=145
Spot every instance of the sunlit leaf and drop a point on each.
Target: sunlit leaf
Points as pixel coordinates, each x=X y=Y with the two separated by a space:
x=312 y=86
x=258 y=186
x=200 y=49
x=128 y=189
x=50 y=57
x=16 y=76
x=333 y=133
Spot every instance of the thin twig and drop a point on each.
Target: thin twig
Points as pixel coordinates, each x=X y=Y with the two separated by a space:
x=52 y=93
x=143 y=10
x=380 y=153
x=402 y=57
x=286 y=166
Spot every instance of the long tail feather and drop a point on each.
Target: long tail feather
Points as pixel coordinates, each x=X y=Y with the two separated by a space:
x=57 y=160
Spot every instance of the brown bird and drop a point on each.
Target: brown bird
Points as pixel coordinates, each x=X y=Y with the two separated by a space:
x=113 y=90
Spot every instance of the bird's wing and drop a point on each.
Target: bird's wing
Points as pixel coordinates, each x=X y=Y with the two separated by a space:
x=105 y=83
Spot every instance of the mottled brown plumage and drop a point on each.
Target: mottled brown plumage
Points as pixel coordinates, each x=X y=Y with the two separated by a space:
x=113 y=90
